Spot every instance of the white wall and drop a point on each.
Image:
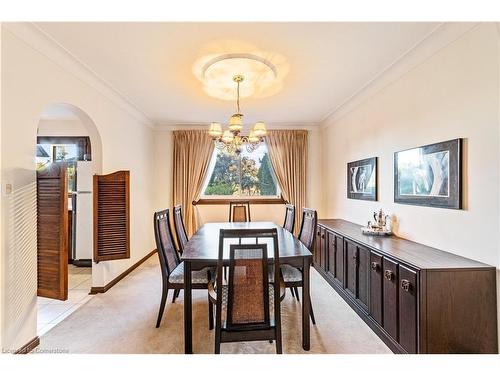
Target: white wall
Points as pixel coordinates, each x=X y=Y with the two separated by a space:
x=69 y=127
x=215 y=213
x=30 y=82
x=454 y=93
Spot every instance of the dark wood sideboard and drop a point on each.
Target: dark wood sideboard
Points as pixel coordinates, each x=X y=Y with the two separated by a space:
x=417 y=299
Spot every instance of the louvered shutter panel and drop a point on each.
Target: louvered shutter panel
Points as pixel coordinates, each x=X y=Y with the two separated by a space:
x=52 y=231
x=111 y=216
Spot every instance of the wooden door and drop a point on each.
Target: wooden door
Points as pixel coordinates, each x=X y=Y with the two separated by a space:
x=376 y=287
x=363 y=276
x=351 y=252
x=111 y=216
x=390 y=297
x=52 y=231
x=408 y=309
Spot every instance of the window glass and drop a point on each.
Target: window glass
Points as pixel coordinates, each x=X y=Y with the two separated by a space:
x=247 y=174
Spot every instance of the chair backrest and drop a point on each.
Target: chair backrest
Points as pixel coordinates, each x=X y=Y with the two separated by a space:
x=180 y=229
x=248 y=297
x=169 y=257
x=308 y=227
x=289 y=223
x=239 y=211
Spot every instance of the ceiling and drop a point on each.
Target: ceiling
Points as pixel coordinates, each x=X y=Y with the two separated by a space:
x=151 y=64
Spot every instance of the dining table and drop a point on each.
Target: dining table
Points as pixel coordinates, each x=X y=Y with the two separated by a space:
x=202 y=251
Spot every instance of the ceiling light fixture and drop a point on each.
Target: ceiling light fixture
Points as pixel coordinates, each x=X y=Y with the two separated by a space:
x=230 y=140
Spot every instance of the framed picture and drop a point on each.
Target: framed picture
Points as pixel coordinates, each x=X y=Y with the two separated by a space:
x=430 y=175
x=362 y=179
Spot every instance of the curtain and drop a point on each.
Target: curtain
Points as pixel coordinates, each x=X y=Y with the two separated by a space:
x=288 y=155
x=192 y=153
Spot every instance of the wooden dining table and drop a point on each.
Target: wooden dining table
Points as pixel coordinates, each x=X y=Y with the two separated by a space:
x=202 y=251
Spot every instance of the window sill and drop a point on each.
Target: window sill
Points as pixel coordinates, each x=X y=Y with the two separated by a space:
x=226 y=201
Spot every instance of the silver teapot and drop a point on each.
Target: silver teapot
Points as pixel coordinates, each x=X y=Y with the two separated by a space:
x=381 y=220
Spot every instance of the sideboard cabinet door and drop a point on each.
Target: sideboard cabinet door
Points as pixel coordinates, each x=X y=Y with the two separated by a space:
x=339 y=260
x=317 y=247
x=376 y=287
x=331 y=250
x=408 y=309
x=390 y=297
x=363 y=275
x=351 y=253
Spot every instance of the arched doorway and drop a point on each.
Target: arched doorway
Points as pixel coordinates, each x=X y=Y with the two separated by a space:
x=68 y=154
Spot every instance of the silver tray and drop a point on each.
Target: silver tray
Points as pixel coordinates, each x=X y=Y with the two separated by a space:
x=375 y=232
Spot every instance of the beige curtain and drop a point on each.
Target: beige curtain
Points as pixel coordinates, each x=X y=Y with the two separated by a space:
x=192 y=152
x=288 y=155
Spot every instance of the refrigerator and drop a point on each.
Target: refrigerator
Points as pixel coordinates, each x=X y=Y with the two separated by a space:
x=82 y=206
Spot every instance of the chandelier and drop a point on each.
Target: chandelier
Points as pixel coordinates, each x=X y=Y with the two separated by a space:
x=231 y=140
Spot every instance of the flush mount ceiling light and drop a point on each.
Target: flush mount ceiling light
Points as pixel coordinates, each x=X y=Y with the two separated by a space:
x=263 y=72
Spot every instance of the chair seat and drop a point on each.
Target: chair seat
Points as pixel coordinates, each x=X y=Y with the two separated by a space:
x=197 y=277
x=213 y=297
x=291 y=274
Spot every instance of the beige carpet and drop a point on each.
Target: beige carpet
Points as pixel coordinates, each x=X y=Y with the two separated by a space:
x=123 y=319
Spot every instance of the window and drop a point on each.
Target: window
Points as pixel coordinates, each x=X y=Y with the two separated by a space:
x=248 y=174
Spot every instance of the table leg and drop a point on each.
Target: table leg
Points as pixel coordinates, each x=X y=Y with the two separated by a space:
x=188 y=319
x=306 y=344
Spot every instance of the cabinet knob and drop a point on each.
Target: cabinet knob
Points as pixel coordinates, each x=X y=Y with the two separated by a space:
x=388 y=274
x=323 y=235
x=375 y=266
x=319 y=233
x=405 y=285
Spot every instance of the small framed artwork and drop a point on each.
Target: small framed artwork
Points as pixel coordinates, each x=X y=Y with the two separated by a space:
x=362 y=179
x=430 y=175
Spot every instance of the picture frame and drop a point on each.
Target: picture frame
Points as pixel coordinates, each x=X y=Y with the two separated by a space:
x=362 y=179
x=430 y=175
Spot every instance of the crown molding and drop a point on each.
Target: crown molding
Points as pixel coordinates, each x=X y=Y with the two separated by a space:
x=204 y=125
x=440 y=37
x=43 y=43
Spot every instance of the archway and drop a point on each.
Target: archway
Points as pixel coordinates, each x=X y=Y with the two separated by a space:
x=68 y=143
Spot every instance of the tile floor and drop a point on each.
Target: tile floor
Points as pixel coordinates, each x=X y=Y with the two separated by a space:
x=51 y=311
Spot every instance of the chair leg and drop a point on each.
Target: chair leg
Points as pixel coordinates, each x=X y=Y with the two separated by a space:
x=311 y=312
x=279 y=348
x=217 y=341
x=296 y=293
x=210 y=314
x=164 y=296
x=174 y=295
x=293 y=294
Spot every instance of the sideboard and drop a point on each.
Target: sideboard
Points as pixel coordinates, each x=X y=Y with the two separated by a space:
x=416 y=298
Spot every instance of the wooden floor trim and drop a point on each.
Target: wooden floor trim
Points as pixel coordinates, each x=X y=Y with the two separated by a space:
x=105 y=288
x=25 y=349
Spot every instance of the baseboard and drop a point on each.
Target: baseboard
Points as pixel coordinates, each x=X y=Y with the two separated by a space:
x=29 y=346
x=105 y=288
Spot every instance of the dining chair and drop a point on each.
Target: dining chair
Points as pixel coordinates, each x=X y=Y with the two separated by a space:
x=180 y=229
x=239 y=211
x=292 y=276
x=248 y=306
x=289 y=223
x=172 y=269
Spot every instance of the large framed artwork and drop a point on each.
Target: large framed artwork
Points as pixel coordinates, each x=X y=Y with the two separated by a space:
x=362 y=179
x=430 y=175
